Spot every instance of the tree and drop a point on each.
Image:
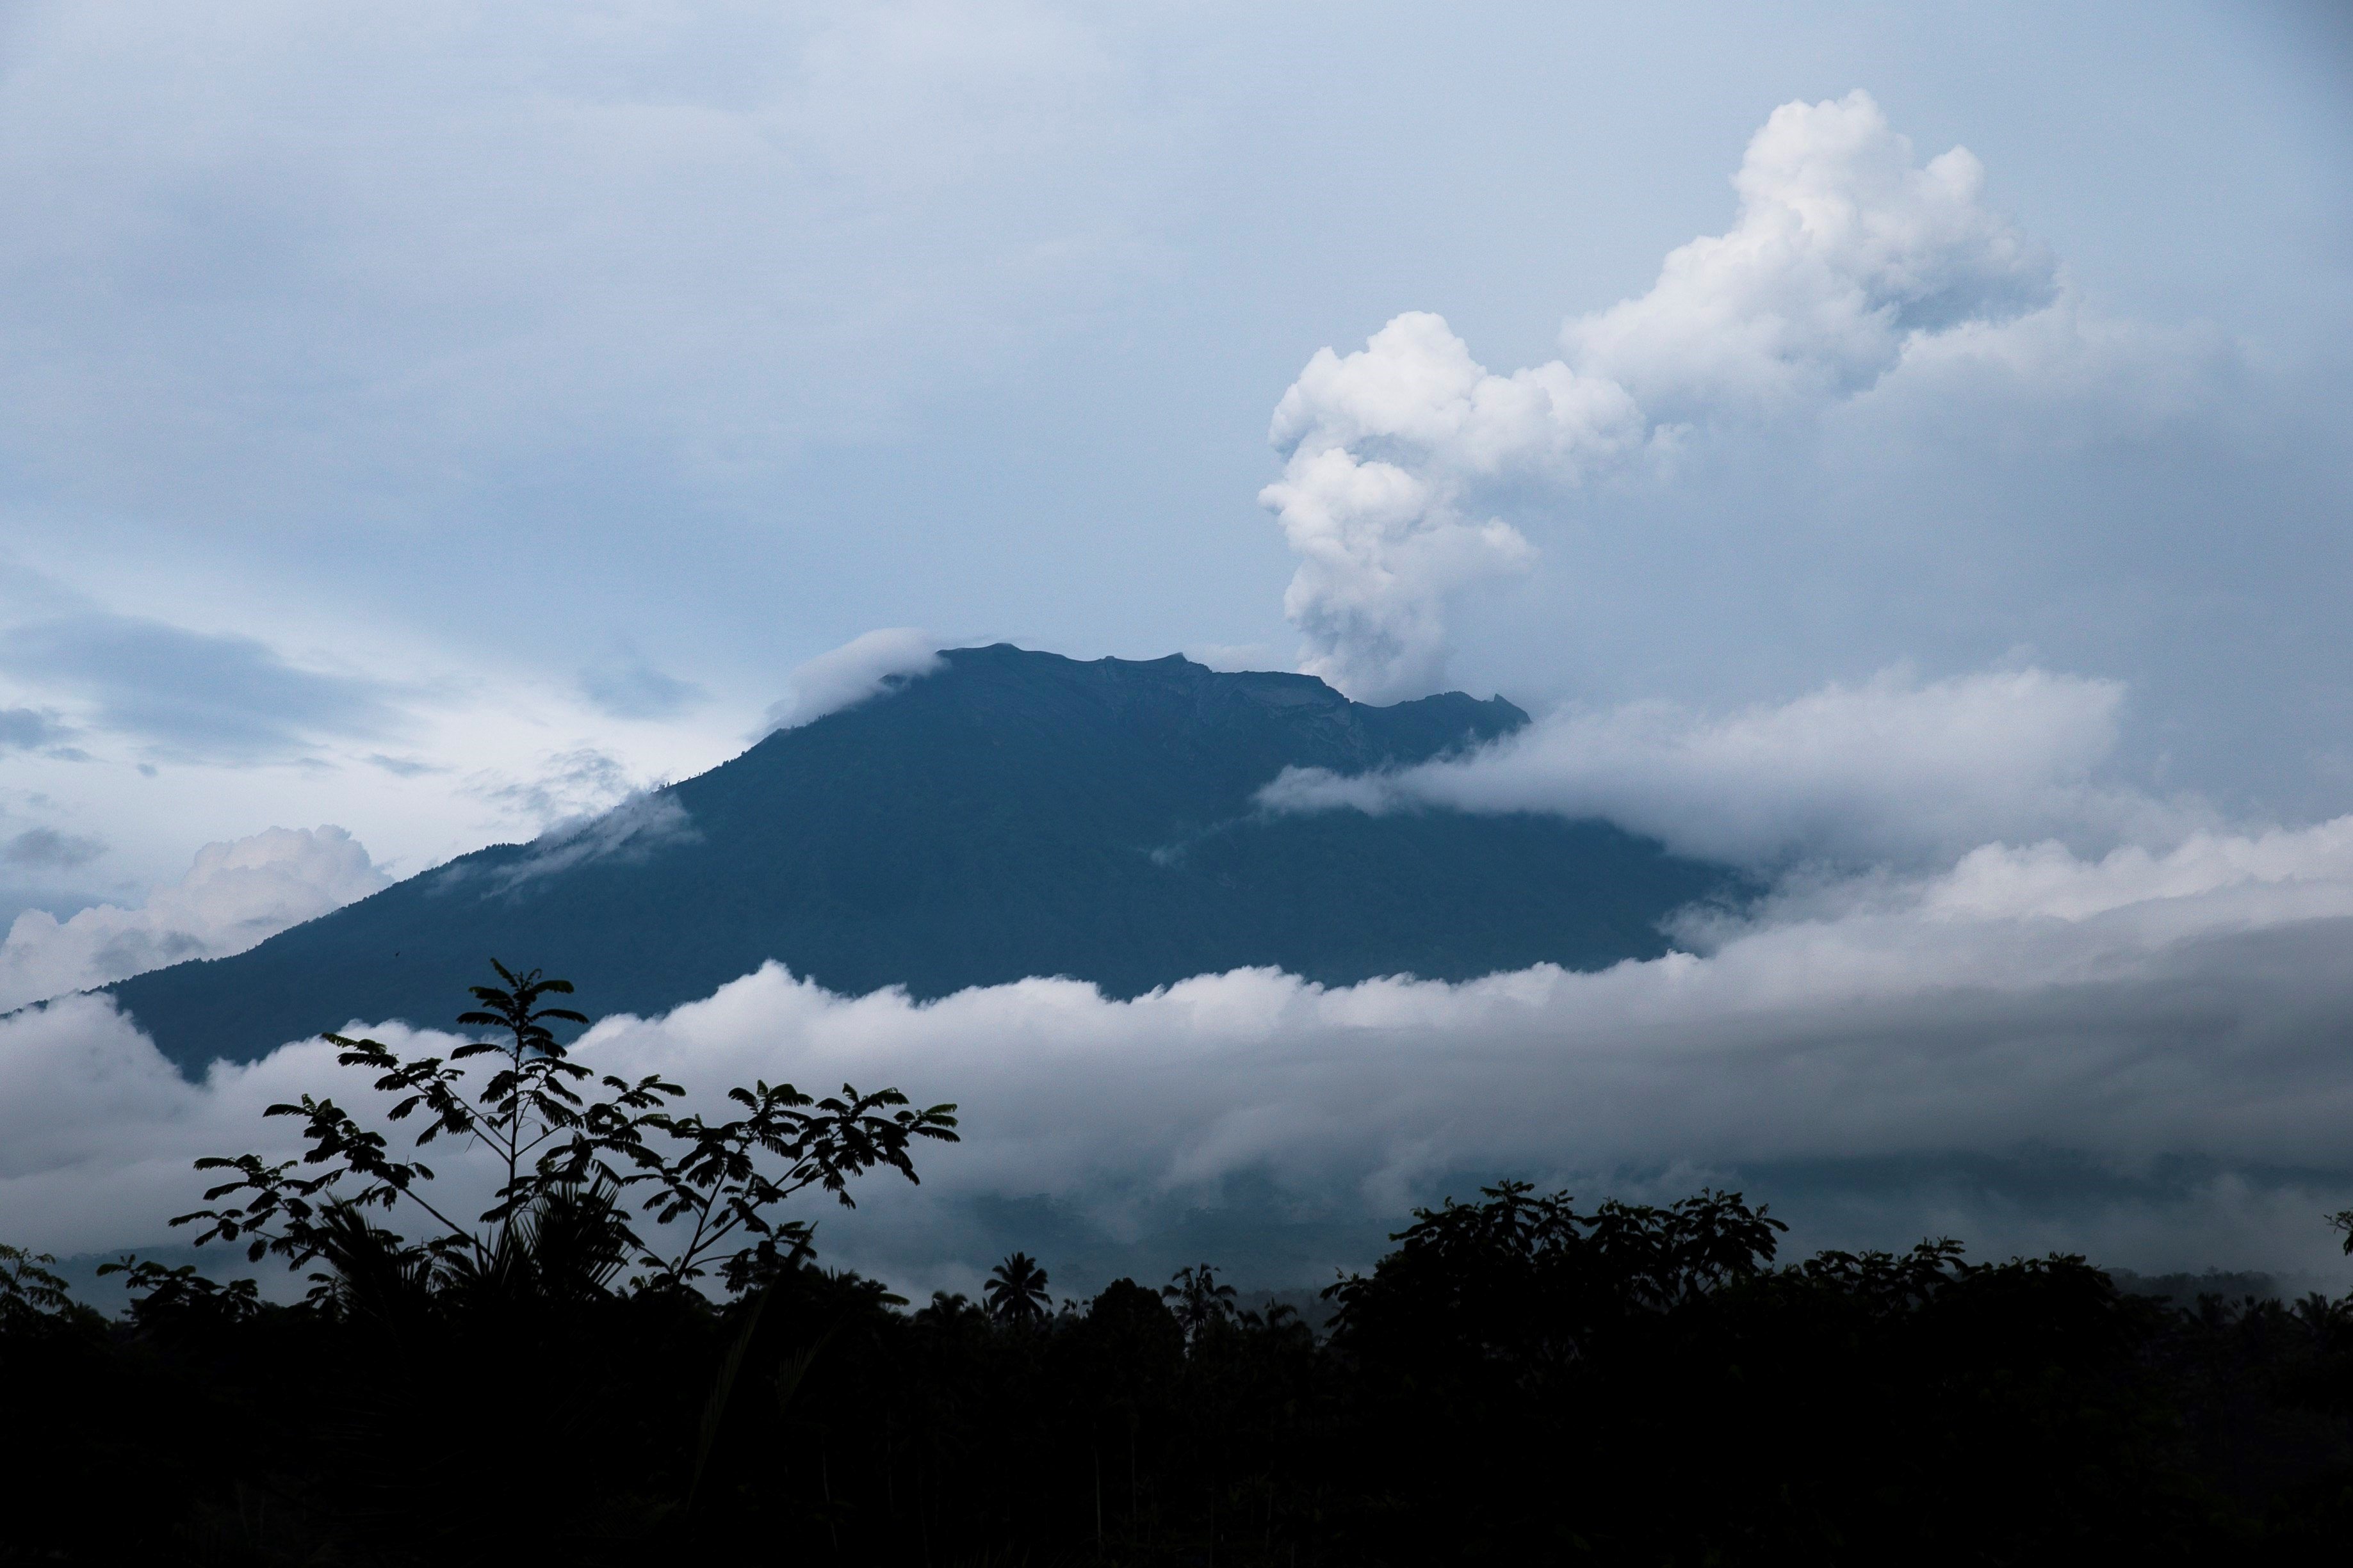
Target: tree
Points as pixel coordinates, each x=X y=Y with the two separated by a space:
x=27 y=1289
x=1199 y=1300
x=1016 y=1291
x=716 y=1185
x=1525 y=1279
x=566 y=1164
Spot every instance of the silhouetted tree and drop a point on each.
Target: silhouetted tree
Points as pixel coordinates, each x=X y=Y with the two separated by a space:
x=1199 y=1300
x=1016 y=1291
x=27 y=1288
x=157 y=1291
x=566 y=1161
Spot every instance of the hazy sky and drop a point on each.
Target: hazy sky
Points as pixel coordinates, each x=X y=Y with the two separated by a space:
x=1868 y=435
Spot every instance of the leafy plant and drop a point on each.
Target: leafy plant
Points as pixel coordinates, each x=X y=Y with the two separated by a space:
x=1199 y=1300
x=566 y=1164
x=716 y=1186
x=28 y=1289
x=157 y=1291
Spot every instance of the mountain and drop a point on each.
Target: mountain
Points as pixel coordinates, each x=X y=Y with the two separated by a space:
x=1014 y=813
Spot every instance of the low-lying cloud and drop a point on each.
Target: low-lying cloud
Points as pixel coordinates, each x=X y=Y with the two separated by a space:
x=1892 y=770
x=2165 y=1029
x=569 y=788
x=643 y=823
x=865 y=666
x=234 y=895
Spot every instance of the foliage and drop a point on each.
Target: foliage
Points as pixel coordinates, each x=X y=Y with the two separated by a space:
x=183 y=1293
x=1517 y=1380
x=1016 y=1291
x=27 y=1288
x=567 y=1163
x=1200 y=1301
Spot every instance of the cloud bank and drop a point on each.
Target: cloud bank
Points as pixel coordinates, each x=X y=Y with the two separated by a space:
x=1892 y=770
x=235 y=895
x=1848 y=262
x=2166 y=1028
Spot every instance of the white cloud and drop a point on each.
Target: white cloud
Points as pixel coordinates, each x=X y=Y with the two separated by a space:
x=644 y=821
x=1845 y=250
x=2129 y=1014
x=864 y=666
x=1892 y=768
x=235 y=895
x=1388 y=447
x=1998 y=880
x=1849 y=264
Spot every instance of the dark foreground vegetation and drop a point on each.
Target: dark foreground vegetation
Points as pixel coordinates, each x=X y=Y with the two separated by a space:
x=1518 y=1380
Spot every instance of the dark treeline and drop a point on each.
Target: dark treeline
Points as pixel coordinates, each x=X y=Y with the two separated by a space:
x=1518 y=1379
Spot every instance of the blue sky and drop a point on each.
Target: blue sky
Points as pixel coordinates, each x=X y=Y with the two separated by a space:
x=425 y=424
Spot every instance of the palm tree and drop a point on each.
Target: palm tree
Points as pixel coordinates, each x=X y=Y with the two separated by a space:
x=1016 y=1291
x=1199 y=1300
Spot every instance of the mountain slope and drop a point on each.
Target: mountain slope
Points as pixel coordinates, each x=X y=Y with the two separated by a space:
x=1015 y=814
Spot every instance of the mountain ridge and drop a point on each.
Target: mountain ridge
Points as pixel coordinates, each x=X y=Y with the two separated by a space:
x=1011 y=814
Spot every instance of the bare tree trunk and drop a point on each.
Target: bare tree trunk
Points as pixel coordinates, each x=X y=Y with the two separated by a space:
x=922 y=1511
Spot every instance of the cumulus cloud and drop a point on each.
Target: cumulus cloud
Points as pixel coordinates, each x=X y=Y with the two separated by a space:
x=1388 y=447
x=864 y=666
x=235 y=895
x=2164 y=1028
x=1843 y=252
x=1894 y=769
x=1849 y=261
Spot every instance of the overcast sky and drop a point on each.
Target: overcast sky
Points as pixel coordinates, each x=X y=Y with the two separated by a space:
x=470 y=388
x=1864 y=434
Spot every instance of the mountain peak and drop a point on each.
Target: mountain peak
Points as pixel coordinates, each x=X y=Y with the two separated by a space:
x=1002 y=683
x=1011 y=814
